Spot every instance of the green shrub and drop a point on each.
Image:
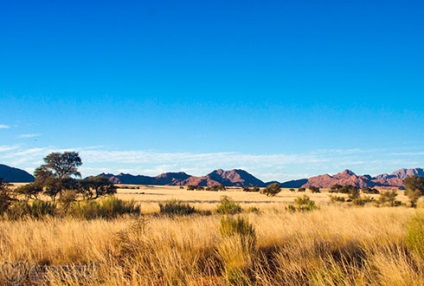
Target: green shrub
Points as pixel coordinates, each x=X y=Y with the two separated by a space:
x=237 y=249
x=108 y=208
x=254 y=210
x=87 y=210
x=302 y=204
x=113 y=207
x=230 y=226
x=388 y=198
x=361 y=201
x=36 y=209
x=353 y=192
x=175 y=207
x=271 y=190
x=337 y=199
x=415 y=235
x=414 y=186
x=228 y=206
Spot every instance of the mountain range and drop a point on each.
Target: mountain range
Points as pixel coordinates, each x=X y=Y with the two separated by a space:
x=347 y=177
x=240 y=178
x=233 y=177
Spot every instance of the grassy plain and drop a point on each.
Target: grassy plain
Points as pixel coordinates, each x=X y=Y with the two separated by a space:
x=335 y=245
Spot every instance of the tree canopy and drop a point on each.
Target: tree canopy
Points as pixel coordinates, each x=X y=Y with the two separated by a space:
x=60 y=174
x=60 y=165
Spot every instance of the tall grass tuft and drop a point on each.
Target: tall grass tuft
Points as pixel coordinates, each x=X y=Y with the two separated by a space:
x=228 y=207
x=37 y=209
x=176 y=208
x=415 y=235
x=237 y=249
x=108 y=208
x=302 y=204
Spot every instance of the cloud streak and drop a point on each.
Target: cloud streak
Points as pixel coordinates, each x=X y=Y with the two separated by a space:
x=4 y=126
x=267 y=167
x=26 y=136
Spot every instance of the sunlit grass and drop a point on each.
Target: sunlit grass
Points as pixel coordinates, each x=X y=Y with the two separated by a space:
x=330 y=246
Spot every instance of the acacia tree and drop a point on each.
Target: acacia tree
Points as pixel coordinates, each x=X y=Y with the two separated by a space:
x=60 y=165
x=414 y=186
x=59 y=173
x=59 y=176
x=93 y=187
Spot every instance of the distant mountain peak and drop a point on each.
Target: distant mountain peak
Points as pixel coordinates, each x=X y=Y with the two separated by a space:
x=348 y=172
x=403 y=173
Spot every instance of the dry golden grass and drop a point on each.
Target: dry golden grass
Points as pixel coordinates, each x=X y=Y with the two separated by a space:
x=335 y=245
x=161 y=193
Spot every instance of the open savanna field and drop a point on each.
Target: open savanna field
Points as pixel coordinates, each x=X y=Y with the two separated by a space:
x=265 y=244
x=151 y=196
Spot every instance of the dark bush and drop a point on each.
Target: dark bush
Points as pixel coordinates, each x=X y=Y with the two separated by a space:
x=271 y=190
x=335 y=188
x=361 y=201
x=370 y=191
x=191 y=188
x=30 y=191
x=251 y=189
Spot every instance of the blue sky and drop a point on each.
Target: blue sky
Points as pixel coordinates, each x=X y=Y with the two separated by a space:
x=283 y=89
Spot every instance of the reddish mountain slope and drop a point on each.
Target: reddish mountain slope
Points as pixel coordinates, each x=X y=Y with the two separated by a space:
x=347 y=177
x=218 y=177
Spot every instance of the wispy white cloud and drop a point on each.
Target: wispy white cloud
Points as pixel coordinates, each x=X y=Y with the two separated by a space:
x=7 y=148
x=268 y=167
x=4 y=126
x=418 y=153
x=32 y=135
